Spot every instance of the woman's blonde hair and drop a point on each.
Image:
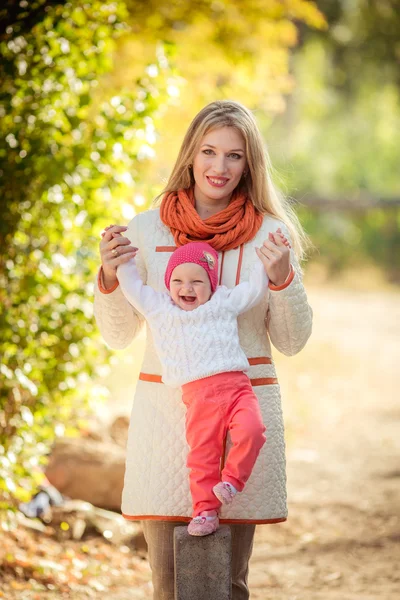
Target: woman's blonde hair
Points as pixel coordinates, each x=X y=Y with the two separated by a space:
x=257 y=183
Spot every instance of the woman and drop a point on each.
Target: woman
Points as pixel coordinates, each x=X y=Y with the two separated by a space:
x=220 y=191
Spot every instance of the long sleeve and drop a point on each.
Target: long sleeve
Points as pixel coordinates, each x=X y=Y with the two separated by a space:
x=248 y=294
x=142 y=297
x=119 y=323
x=289 y=316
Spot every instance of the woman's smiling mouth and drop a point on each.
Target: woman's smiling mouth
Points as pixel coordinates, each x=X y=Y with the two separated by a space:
x=217 y=181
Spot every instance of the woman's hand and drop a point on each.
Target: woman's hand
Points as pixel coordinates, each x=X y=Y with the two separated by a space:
x=115 y=249
x=275 y=255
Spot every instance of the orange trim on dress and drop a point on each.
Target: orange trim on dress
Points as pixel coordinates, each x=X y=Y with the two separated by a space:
x=260 y=360
x=151 y=378
x=239 y=268
x=264 y=381
x=288 y=281
x=222 y=268
x=187 y=519
x=100 y=283
x=165 y=248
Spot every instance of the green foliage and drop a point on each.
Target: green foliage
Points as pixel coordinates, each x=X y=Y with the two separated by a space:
x=352 y=239
x=69 y=147
x=337 y=139
x=236 y=24
x=336 y=145
x=363 y=36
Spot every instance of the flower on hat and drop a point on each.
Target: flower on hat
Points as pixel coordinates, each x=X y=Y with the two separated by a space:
x=209 y=259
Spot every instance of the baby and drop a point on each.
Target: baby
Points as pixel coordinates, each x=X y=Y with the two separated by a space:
x=195 y=333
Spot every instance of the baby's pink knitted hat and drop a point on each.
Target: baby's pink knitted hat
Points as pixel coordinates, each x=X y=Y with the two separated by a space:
x=199 y=253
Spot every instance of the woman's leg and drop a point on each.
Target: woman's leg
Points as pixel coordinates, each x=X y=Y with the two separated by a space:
x=242 y=546
x=159 y=536
x=160 y=540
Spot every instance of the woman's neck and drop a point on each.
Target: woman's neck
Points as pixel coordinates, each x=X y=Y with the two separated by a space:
x=207 y=207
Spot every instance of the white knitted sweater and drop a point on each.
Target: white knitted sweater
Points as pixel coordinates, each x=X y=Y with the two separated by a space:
x=198 y=343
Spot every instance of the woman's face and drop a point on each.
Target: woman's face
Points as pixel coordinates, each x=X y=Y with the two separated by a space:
x=219 y=165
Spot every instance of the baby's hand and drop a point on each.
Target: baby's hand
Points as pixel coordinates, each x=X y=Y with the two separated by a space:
x=283 y=237
x=275 y=256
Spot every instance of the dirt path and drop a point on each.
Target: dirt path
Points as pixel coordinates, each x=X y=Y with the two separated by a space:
x=341 y=540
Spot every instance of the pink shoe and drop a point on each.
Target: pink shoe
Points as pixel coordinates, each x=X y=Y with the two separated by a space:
x=224 y=492
x=203 y=525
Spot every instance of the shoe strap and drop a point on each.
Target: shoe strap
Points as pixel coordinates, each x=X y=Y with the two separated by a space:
x=203 y=519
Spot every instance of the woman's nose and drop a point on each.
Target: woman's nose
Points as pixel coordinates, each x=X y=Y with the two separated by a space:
x=219 y=165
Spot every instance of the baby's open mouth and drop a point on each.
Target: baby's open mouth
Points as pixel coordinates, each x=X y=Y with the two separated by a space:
x=189 y=299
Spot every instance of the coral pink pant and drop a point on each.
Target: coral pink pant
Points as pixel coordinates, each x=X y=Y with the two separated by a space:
x=215 y=405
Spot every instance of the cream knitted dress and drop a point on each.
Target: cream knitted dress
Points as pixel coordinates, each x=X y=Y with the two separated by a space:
x=156 y=482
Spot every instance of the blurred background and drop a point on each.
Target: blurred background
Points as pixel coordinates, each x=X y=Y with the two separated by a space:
x=95 y=97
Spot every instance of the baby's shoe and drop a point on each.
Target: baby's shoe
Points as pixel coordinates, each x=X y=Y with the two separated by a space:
x=225 y=492
x=204 y=524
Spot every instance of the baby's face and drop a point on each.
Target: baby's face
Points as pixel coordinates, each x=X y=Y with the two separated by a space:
x=190 y=286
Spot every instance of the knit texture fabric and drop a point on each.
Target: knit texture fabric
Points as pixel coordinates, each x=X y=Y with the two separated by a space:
x=237 y=224
x=198 y=253
x=199 y=343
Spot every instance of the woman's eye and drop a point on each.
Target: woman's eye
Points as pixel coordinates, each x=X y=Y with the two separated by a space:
x=234 y=155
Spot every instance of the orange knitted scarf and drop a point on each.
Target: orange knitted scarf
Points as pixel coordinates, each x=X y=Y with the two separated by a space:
x=237 y=224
